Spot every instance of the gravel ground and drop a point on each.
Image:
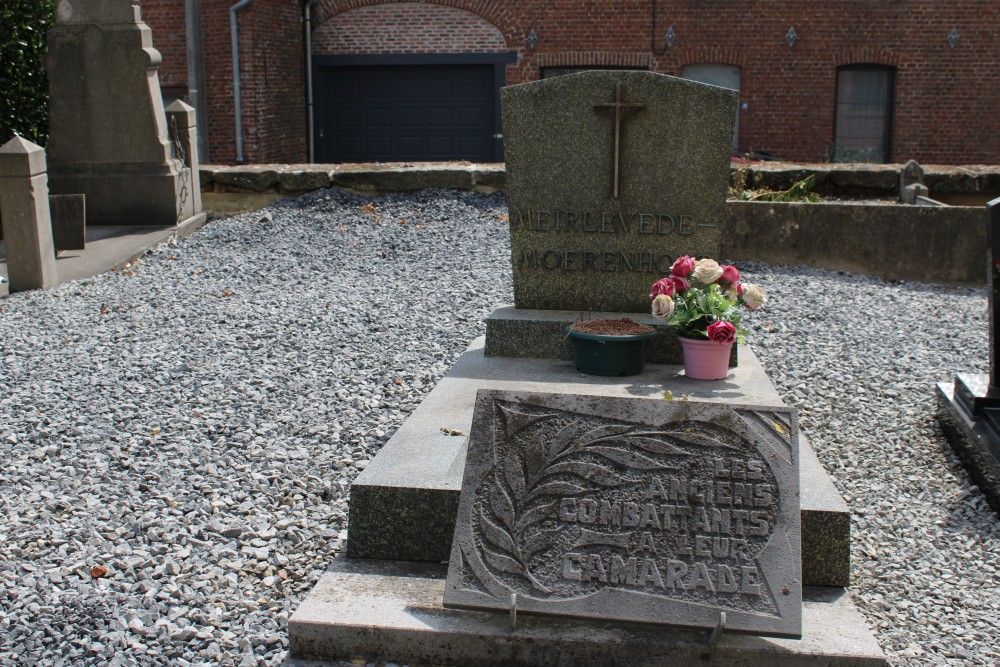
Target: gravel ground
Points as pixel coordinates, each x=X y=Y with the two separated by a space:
x=178 y=437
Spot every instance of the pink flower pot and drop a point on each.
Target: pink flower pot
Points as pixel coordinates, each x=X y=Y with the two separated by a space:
x=705 y=359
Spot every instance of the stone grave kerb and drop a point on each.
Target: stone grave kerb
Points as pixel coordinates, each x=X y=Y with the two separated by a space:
x=611 y=175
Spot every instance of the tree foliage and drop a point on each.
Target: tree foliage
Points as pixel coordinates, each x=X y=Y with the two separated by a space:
x=24 y=87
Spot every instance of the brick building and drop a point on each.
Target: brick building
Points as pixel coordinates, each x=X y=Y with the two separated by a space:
x=878 y=80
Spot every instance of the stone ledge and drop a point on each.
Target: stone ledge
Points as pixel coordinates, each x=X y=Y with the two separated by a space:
x=249 y=178
x=360 y=177
x=893 y=242
x=393 y=611
x=873 y=180
x=403 y=506
x=370 y=177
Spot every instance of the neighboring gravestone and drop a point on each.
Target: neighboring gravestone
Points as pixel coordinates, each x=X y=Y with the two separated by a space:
x=969 y=411
x=979 y=391
x=69 y=226
x=631 y=509
x=610 y=176
x=108 y=132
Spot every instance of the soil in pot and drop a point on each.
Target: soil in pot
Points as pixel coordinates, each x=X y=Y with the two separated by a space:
x=626 y=326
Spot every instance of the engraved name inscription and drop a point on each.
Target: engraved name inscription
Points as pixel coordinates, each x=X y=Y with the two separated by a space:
x=604 y=222
x=589 y=224
x=594 y=260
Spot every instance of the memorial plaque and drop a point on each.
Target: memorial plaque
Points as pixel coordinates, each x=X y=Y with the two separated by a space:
x=610 y=176
x=639 y=510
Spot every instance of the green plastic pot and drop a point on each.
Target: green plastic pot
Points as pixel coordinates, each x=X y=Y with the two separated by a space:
x=598 y=354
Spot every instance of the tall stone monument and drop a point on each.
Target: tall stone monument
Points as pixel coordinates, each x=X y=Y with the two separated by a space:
x=109 y=136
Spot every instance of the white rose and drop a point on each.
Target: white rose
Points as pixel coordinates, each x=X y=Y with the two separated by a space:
x=754 y=296
x=707 y=271
x=663 y=307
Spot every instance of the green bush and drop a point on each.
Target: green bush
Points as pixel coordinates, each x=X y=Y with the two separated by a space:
x=24 y=88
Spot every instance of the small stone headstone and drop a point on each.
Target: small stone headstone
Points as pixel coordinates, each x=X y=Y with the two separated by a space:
x=610 y=176
x=630 y=509
x=69 y=227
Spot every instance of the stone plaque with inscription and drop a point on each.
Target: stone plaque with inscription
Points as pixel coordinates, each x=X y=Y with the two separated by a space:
x=638 y=510
x=610 y=176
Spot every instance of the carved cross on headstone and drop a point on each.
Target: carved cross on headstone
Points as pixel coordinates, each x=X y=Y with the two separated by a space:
x=618 y=105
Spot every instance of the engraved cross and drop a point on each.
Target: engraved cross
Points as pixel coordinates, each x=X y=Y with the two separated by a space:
x=618 y=105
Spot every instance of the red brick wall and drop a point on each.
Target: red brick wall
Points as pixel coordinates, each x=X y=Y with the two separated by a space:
x=274 y=100
x=946 y=99
x=272 y=60
x=166 y=19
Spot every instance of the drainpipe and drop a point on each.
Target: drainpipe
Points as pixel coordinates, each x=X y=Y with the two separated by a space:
x=234 y=32
x=309 y=82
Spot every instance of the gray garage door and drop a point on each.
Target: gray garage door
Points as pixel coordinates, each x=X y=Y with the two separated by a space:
x=406 y=112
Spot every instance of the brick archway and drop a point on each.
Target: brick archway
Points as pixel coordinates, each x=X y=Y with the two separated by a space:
x=407 y=28
x=441 y=25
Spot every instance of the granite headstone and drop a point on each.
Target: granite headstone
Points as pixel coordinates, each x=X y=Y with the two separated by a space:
x=69 y=221
x=610 y=176
x=969 y=411
x=631 y=509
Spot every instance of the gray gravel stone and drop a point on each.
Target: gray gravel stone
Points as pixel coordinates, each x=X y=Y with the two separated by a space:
x=192 y=423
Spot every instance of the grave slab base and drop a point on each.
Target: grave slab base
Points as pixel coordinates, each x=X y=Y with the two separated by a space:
x=384 y=610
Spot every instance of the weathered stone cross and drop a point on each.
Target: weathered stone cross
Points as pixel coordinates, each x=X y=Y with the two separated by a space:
x=617 y=105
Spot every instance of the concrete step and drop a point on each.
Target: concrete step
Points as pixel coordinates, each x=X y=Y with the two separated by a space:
x=404 y=504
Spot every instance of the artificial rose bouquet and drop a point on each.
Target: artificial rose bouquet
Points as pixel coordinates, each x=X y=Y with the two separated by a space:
x=704 y=299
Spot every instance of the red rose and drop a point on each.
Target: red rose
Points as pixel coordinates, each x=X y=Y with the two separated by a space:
x=680 y=285
x=683 y=266
x=662 y=286
x=729 y=275
x=721 y=332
